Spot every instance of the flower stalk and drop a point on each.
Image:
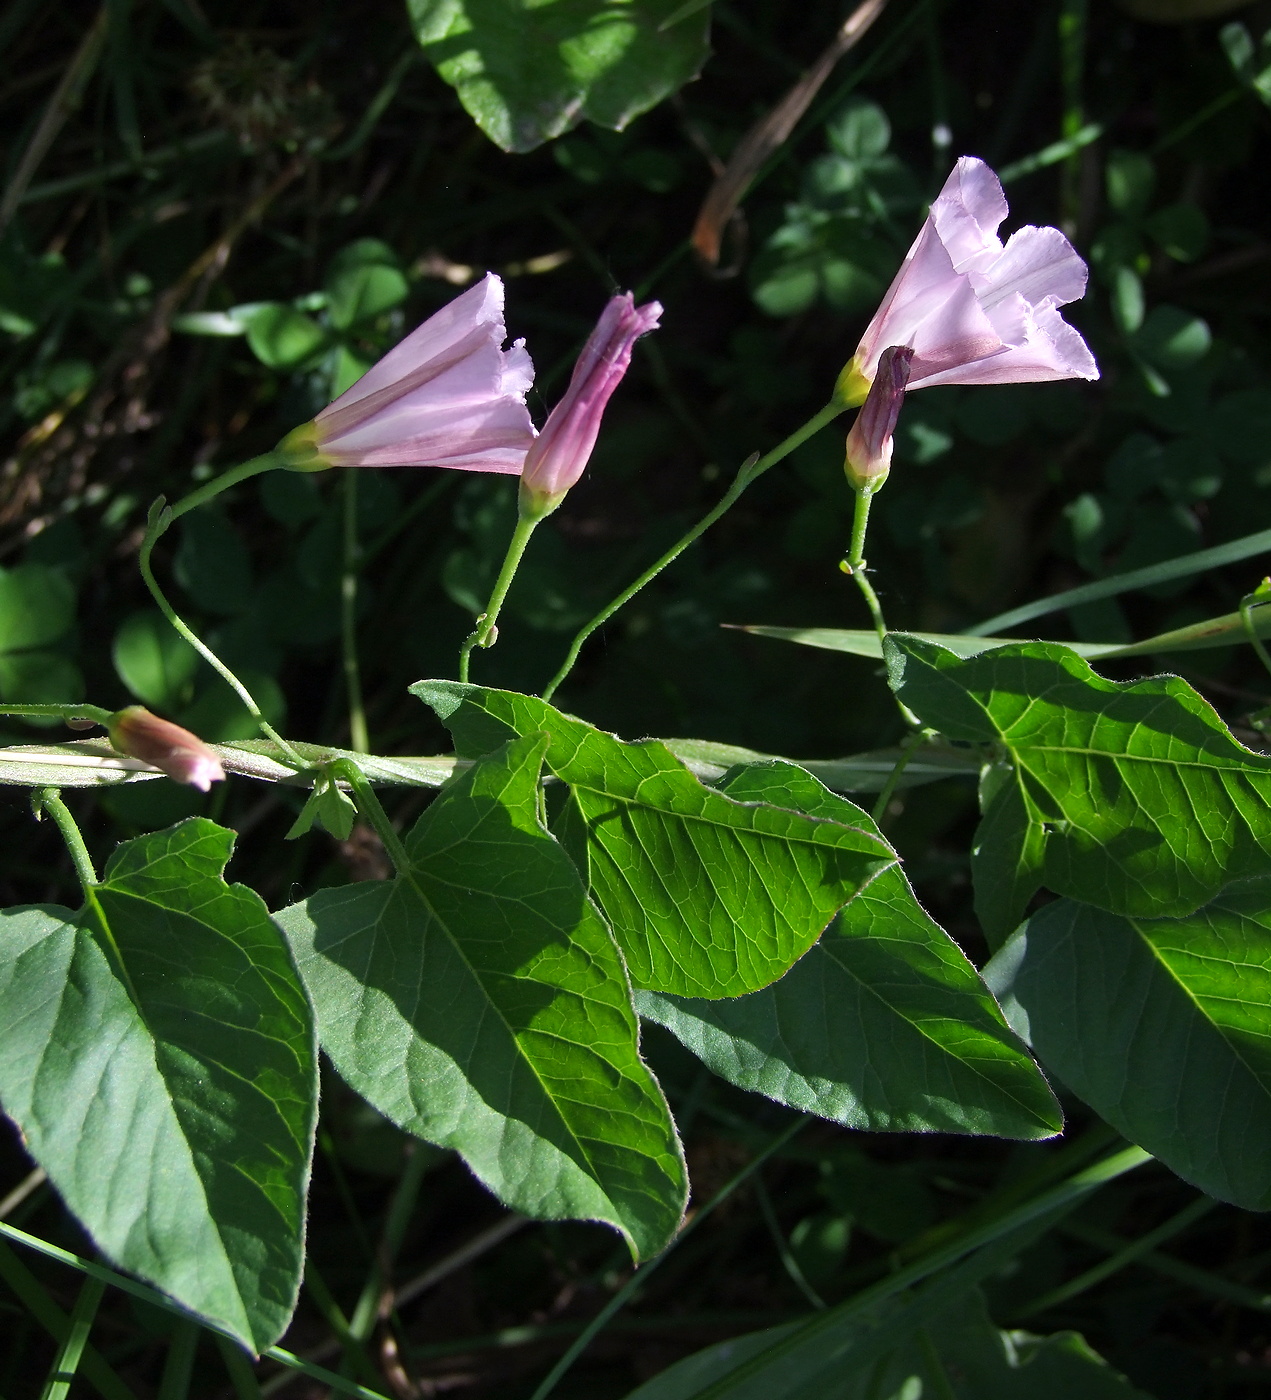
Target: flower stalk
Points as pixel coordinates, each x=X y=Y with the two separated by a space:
x=158 y=522
x=49 y=800
x=751 y=470
x=486 y=632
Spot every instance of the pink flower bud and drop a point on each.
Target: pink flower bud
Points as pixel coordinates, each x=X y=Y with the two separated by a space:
x=869 y=441
x=449 y=395
x=975 y=311
x=561 y=451
x=181 y=755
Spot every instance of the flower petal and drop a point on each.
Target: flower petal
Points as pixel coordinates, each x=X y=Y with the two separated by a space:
x=967 y=213
x=1048 y=349
x=480 y=309
x=926 y=280
x=561 y=451
x=1038 y=263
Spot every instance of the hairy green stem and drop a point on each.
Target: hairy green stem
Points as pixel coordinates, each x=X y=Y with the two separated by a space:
x=486 y=633
x=60 y=711
x=750 y=471
x=211 y=489
x=373 y=810
x=50 y=800
x=854 y=565
x=159 y=522
x=908 y=748
x=359 y=739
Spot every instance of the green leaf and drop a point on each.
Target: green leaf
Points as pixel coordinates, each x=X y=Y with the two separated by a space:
x=1150 y=805
x=527 y=71
x=154 y=661
x=360 y=293
x=39 y=678
x=159 y=1058
x=706 y=896
x=478 y=1001
x=282 y=337
x=37 y=606
x=1008 y=853
x=1160 y=1025
x=882 y=1025
x=956 y=1353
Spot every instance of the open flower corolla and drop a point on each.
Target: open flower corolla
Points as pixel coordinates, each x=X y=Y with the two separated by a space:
x=449 y=395
x=972 y=309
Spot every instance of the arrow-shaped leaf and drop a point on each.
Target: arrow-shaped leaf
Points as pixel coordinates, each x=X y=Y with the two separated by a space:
x=159 y=1057
x=1149 y=804
x=707 y=896
x=479 y=1002
x=882 y=1025
x=1160 y=1025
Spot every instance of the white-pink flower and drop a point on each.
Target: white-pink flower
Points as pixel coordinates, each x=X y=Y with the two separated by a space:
x=449 y=395
x=972 y=310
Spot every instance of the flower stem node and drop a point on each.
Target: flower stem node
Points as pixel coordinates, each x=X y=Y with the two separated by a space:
x=183 y=756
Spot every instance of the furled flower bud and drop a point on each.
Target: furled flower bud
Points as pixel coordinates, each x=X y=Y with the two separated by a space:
x=449 y=395
x=558 y=455
x=869 y=441
x=181 y=755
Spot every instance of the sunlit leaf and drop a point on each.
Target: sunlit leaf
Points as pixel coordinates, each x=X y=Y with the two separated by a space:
x=159 y=1058
x=882 y=1025
x=530 y=70
x=478 y=1001
x=706 y=896
x=1161 y=1025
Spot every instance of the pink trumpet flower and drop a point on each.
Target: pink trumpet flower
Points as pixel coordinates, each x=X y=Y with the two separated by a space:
x=449 y=395
x=972 y=310
x=559 y=454
x=869 y=441
x=183 y=756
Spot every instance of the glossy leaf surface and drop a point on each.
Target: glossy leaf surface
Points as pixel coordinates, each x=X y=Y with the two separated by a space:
x=883 y=1025
x=707 y=896
x=159 y=1058
x=1161 y=1025
x=1146 y=803
x=479 y=1002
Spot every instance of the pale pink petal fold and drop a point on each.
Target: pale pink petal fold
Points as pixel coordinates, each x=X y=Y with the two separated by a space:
x=967 y=213
x=1038 y=263
x=449 y=395
x=561 y=451
x=972 y=310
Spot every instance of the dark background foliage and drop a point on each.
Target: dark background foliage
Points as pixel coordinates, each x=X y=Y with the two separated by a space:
x=236 y=155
